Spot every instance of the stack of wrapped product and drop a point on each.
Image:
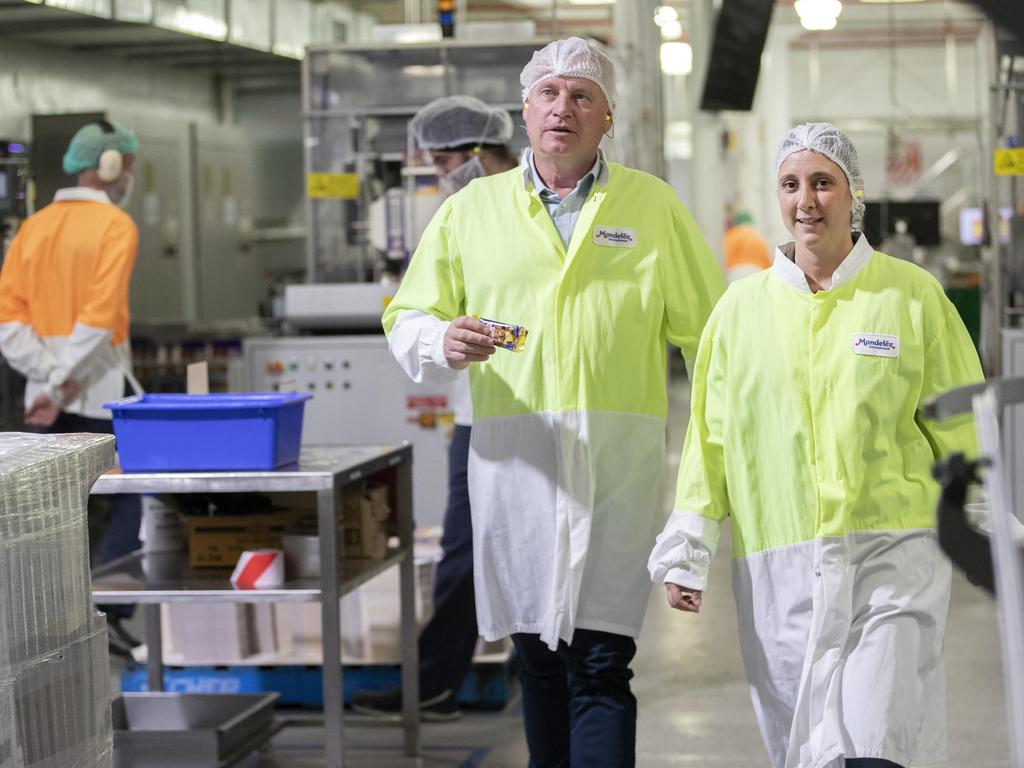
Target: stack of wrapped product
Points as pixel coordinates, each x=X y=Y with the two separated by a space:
x=54 y=663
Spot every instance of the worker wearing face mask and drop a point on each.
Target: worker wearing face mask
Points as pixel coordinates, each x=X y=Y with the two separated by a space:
x=466 y=139
x=64 y=302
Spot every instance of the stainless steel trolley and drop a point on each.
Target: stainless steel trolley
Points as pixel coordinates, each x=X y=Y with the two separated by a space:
x=324 y=470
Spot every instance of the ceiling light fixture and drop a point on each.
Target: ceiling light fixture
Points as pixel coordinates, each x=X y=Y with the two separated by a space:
x=676 y=58
x=818 y=14
x=665 y=14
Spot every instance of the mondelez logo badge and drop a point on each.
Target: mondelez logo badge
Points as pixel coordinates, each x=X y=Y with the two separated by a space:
x=876 y=344
x=620 y=237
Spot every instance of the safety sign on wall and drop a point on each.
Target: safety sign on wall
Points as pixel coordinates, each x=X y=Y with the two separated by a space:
x=1009 y=162
x=333 y=185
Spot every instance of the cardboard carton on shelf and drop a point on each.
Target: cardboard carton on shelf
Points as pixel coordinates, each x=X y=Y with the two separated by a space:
x=217 y=541
x=365 y=514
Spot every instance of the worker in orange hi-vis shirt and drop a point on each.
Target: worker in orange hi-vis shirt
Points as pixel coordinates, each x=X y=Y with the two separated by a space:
x=745 y=250
x=64 y=303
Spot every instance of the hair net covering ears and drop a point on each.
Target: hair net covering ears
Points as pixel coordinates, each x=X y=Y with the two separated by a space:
x=454 y=121
x=91 y=141
x=827 y=140
x=571 y=57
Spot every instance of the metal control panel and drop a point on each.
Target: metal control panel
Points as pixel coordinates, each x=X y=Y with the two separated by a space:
x=361 y=396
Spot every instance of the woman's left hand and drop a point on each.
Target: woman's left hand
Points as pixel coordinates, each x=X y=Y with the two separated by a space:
x=683 y=598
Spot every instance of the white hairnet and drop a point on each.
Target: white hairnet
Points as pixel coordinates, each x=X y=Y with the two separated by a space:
x=571 y=57
x=828 y=140
x=455 y=121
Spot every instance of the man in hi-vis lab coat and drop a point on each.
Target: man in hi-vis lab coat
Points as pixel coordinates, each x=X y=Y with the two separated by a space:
x=602 y=265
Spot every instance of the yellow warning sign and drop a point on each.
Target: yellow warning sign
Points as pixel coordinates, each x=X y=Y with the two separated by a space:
x=1009 y=162
x=338 y=185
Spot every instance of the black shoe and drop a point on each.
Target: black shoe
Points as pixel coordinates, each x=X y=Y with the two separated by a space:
x=117 y=630
x=115 y=648
x=436 y=709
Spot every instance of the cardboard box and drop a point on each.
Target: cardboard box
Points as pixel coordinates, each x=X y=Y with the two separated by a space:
x=218 y=541
x=365 y=513
x=211 y=633
x=370 y=617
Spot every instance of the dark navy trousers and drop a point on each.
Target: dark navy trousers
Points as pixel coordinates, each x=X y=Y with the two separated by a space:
x=578 y=710
x=447 y=642
x=121 y=536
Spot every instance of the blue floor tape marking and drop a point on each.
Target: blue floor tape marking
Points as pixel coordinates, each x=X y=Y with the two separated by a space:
x=476 y=758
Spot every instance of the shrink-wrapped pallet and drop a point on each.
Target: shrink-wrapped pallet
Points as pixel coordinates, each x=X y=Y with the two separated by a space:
x=54 y=667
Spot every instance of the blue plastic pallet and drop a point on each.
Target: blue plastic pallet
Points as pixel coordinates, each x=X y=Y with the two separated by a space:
x=488 y=686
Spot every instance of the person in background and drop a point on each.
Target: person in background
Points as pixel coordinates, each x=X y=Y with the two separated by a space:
x=466 y=139
x=602 y=265
x=746 y=252
x=806 y=429
x=64 y=309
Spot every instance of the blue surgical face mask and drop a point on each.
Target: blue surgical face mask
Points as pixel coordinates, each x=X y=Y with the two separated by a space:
x=455 y=180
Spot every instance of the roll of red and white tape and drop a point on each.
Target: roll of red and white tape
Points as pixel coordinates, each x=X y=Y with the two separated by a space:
x=259 y=569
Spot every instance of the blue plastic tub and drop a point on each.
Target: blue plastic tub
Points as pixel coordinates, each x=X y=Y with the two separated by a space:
x=208 y=432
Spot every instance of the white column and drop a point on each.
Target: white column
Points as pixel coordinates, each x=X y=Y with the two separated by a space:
x=639 y=123
x=707 y=196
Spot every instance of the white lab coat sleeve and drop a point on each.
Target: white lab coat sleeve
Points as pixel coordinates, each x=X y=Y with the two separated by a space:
x=80 y=358
x=683 y=551
x=25 y=352
x=417 y=344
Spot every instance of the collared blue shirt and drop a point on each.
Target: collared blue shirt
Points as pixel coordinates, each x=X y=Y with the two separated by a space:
x=564 y=211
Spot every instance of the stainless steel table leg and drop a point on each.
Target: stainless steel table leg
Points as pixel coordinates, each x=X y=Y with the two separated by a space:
x=331 y=627
x=154 y=648
x=410 y=647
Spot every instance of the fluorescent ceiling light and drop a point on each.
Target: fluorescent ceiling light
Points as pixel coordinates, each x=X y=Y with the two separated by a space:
x=665 y=14
x=676 y=58
x=591 y=2
x=818 y=14
x=671 y=30
x=891 y=1
x=424 y=70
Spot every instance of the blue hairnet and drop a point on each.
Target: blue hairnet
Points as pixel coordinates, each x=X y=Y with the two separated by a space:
x=90 y=142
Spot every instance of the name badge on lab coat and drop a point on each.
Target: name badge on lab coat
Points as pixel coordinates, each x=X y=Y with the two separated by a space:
x=876 y=344
x=620 y=237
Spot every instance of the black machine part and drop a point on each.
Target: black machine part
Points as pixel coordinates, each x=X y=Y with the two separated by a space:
x=968 y=549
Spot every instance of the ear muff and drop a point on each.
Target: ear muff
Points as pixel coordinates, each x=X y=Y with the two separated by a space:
x=110 y=165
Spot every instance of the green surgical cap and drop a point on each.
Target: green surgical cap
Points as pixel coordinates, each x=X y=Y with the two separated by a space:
x=741 y=218
x=90 y=142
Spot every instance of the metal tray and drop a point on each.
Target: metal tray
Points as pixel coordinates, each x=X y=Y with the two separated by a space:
x=175 y=730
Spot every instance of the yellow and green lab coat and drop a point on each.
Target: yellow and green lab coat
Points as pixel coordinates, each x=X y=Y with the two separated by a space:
x=568 y=445
x=806 y=430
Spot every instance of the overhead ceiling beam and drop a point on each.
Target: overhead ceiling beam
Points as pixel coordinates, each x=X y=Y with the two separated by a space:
x=10 y=28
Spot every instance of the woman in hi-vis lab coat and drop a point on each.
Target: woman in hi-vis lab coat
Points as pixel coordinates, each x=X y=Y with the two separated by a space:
x=806 y=430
